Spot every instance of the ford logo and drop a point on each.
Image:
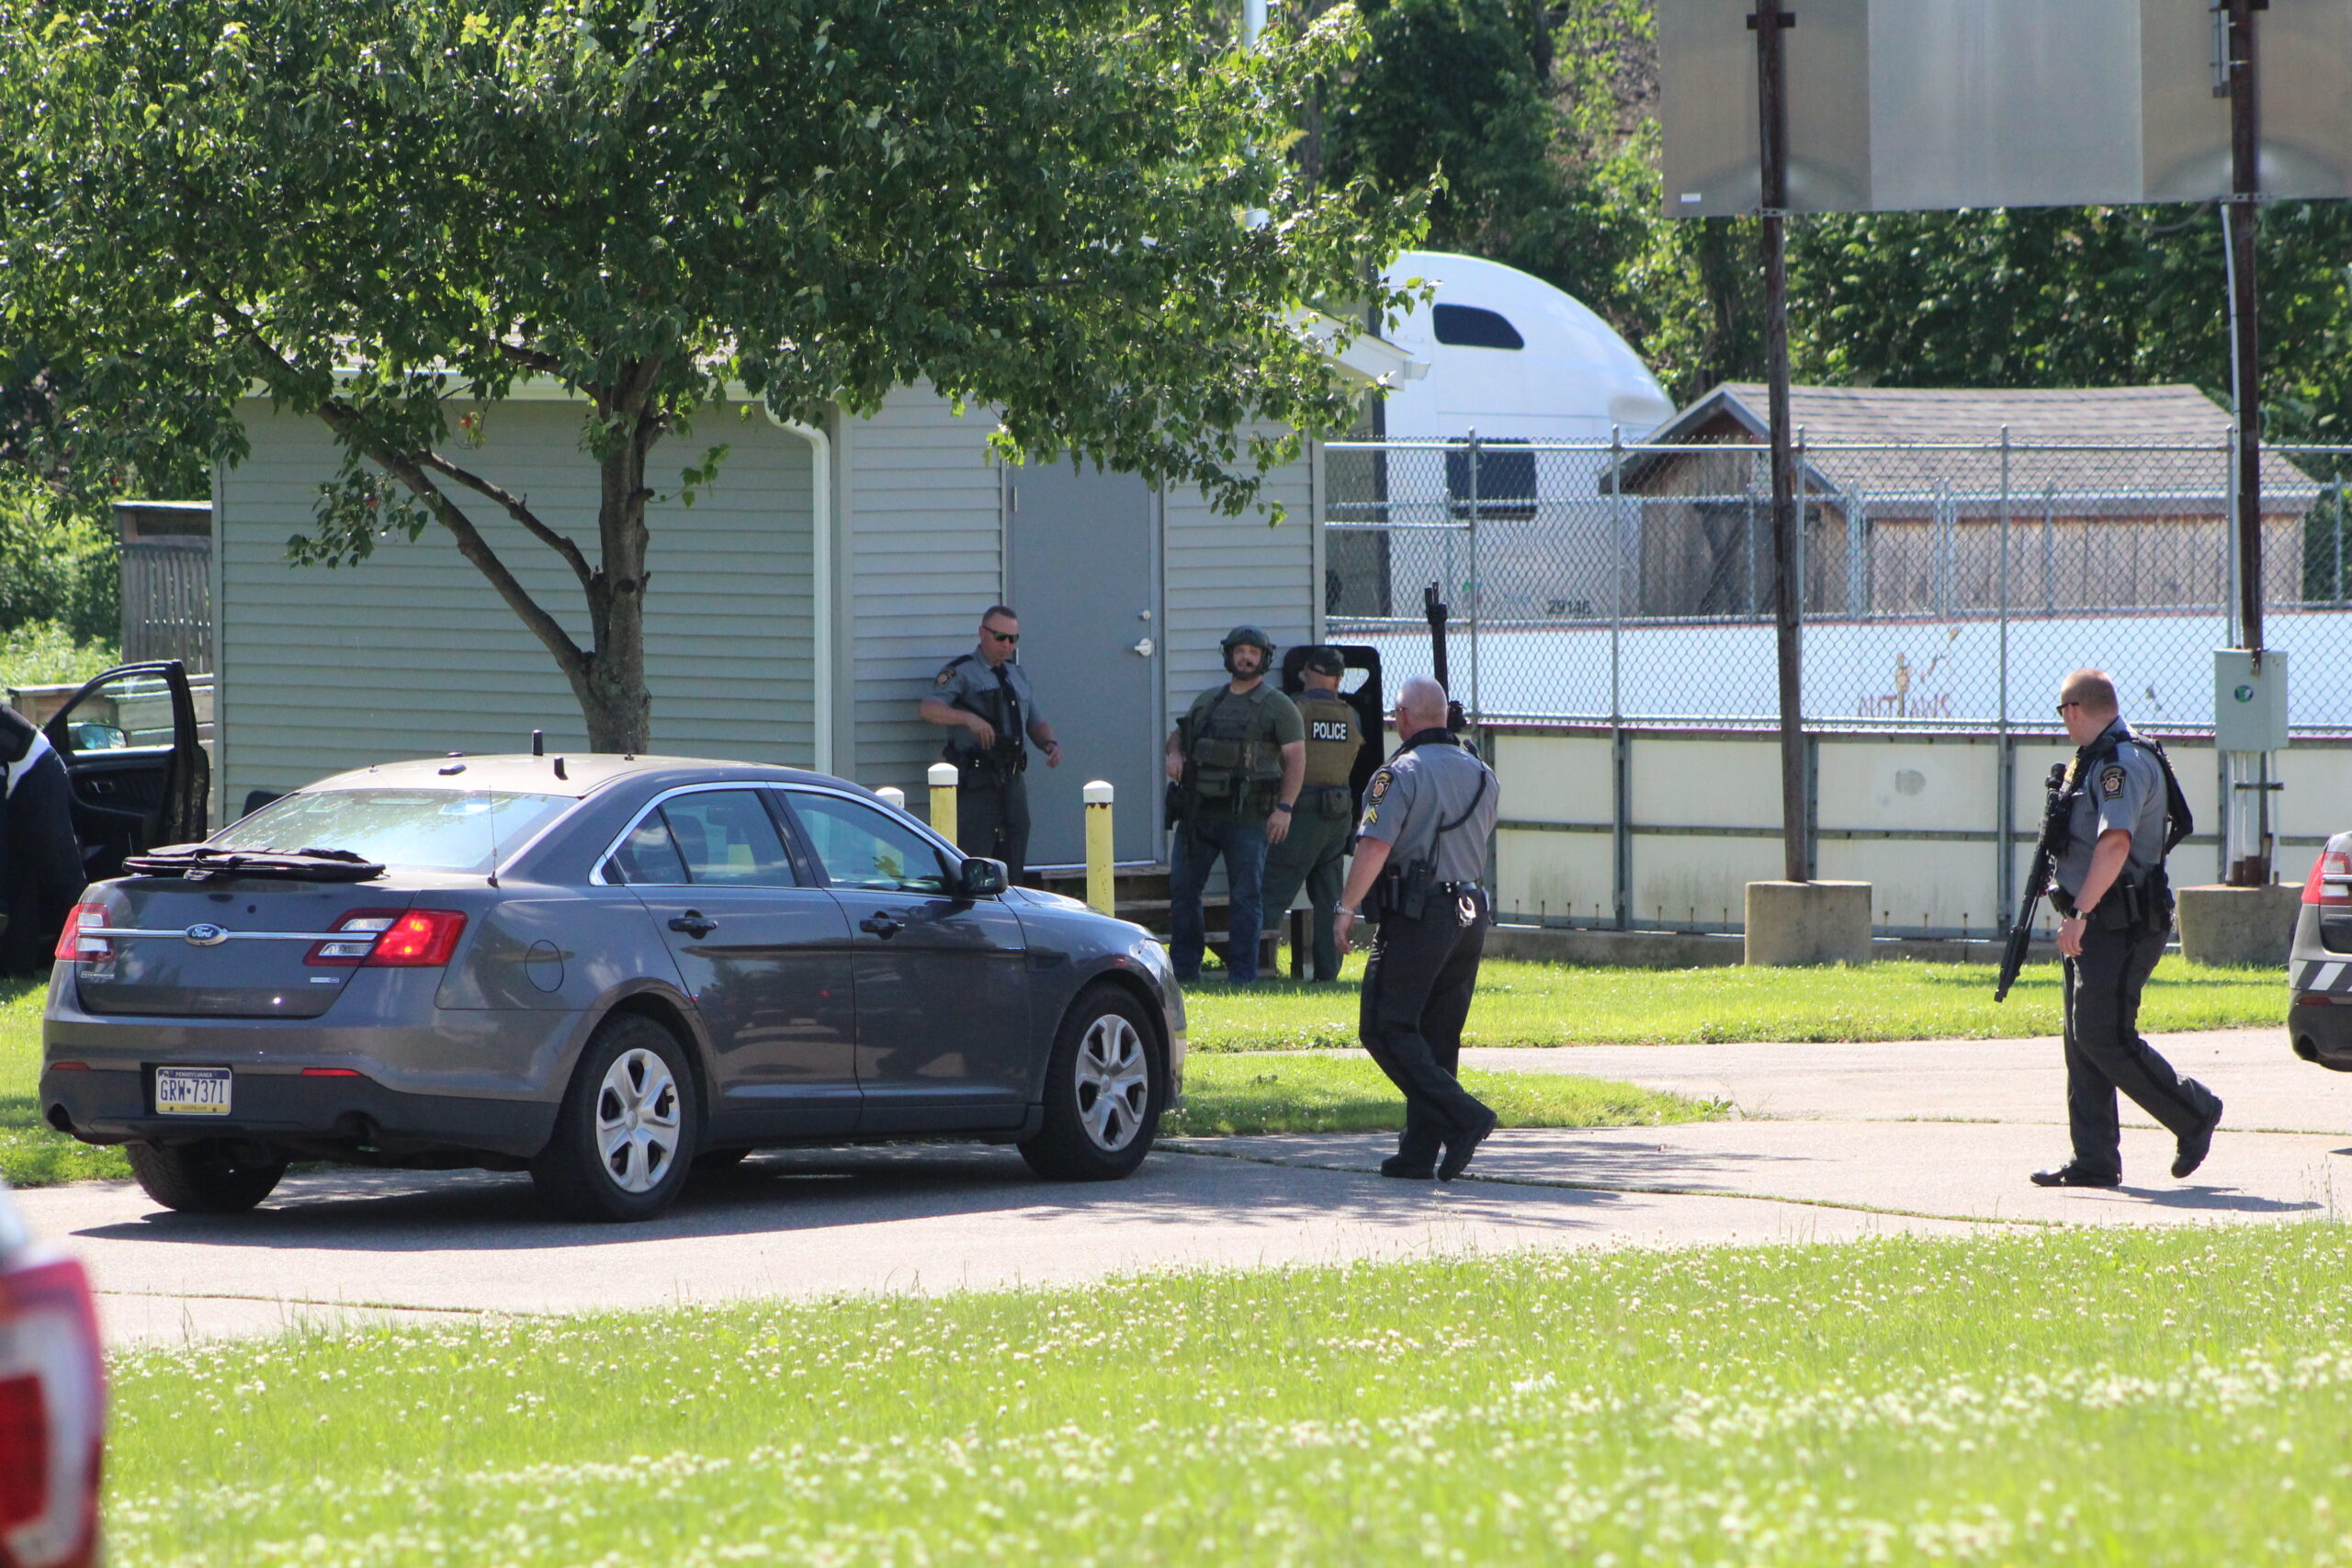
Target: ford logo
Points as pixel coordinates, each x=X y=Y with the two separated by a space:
x=205 y=936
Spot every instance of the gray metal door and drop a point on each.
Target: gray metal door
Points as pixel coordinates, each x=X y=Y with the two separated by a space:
x=1085 y=575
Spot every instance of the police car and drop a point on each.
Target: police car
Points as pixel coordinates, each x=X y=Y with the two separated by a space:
x=2319 y=965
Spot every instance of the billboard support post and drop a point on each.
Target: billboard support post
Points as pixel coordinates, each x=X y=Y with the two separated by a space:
x=1767 y=22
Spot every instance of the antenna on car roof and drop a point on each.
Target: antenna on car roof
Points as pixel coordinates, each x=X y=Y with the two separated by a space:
x=538 y=744
x=491 y=795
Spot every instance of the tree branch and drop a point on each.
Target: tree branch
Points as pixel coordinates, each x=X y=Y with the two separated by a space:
x=518 y=509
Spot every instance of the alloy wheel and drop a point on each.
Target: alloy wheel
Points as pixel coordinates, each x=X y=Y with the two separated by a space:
x=1113 y=1082
x=638 y=1121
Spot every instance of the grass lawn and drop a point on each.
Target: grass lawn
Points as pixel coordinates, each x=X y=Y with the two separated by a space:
x=1348 y=1094
x=1553 y=1004
x=2088 y=1395
x=32 y=1153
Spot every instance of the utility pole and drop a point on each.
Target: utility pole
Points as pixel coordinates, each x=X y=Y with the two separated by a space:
x=1768 y=21
x=2238 y=212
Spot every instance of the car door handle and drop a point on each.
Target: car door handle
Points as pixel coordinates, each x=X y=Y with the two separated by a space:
x=693 y=923
x=881 y=925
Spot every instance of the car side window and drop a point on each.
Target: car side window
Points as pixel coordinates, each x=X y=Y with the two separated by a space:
x=728 y=840
x=647 y=857
x=860 y=847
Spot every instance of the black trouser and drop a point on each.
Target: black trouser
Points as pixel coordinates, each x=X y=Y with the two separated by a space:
x=992 y=819
x=1416 y=991
x=2104 y=1052
x=40 y=866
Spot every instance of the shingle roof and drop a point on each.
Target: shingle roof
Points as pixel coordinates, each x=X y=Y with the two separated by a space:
x=1890 y=419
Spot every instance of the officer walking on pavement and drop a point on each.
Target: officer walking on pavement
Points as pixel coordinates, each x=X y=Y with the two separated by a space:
x=1420 y=852
x=1236 y=759
x=986 y=696
x=2111 y=810
x=1316 y=852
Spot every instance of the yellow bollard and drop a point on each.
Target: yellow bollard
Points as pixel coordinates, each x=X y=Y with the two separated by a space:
x=1101 y=886
x=942 y=800
x=893 y=796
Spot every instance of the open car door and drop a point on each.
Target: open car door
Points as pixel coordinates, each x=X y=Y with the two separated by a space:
x=140 y=775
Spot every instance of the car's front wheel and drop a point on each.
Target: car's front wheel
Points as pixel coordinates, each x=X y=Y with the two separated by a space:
x=206 y=1177
x=1102 y=1091
x=625 y=1134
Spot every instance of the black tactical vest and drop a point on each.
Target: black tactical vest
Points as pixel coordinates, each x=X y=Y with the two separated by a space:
x=1238 y=765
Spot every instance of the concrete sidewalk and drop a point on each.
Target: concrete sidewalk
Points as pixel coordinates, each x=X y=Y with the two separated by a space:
x=1829 y=1142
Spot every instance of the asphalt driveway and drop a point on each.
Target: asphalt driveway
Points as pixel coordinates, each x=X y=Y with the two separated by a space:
x=1829 y=1142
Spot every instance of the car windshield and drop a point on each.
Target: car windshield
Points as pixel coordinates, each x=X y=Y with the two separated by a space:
x=440 y=829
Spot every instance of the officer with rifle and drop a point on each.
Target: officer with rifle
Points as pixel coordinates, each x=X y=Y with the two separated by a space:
x=1316 y=852
x=1235 y=761
x=986 y=696
x=2113 y=816
x=1420 y=852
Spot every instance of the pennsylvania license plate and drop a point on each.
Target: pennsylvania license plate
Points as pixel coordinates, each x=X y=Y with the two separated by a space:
x=191 y=1091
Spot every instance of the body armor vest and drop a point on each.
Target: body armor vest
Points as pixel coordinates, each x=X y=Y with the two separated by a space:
x=1332 y=742
x=2067 y=782
x=1238 y=768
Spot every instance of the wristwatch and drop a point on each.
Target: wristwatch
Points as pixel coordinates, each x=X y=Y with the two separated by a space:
x=1283 y=807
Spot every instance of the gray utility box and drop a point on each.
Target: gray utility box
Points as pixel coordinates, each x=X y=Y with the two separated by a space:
x=2249 y=700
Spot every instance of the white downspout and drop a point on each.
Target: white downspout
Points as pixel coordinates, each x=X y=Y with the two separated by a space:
x=820 y=574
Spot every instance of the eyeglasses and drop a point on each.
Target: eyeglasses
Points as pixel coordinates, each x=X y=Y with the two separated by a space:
x=1006 y=637
x=2063 y=706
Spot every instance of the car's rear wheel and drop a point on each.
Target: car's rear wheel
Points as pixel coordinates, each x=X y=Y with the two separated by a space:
x=625 y=1134
x=1102 y=1091
x=206 y=1177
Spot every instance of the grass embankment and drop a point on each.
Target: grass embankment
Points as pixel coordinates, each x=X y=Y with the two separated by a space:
x=1554 y=1004
x=1234 y=1094
x=2083 y=1395
x=32 y=1153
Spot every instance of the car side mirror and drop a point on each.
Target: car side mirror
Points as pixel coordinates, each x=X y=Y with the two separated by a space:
x=982 y=878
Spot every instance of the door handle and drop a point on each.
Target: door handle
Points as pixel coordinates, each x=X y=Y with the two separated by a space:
x=882 y=925
x=1142 y=648
x=693 y=923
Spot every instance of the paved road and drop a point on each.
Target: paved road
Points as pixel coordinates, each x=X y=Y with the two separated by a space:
x=1831 y=1142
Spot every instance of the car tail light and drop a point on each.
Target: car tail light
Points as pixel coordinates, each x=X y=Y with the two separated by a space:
x=52 y=1416
x=2331 y=879
x=391 y=939
x=74 y=943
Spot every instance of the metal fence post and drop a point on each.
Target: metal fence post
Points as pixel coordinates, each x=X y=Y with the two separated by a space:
x=1620 y=826
x=2005 y=768
x=1477 y=713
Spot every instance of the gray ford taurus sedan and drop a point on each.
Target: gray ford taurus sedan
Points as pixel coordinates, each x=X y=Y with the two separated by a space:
x=603 y=970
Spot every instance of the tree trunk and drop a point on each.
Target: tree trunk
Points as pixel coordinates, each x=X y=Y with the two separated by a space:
x=611 y=687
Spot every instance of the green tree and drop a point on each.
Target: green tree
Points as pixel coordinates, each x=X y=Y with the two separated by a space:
x=380 y=210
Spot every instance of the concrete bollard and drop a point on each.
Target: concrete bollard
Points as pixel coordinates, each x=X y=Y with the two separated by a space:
x=1808 y=922
x=2239 y=925
x=1102 y=885
x=942 y=800
x=893 y=796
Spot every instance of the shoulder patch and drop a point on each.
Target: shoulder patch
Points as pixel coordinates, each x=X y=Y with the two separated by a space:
x=1379 y=785
x=2111 y=780
x=947 y=678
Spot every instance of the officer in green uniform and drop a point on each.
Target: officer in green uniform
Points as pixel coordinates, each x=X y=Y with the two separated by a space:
x=2110 y=815
x=1237 y=761
x=1316 y=852
x=986 y=697
x=1428 y=813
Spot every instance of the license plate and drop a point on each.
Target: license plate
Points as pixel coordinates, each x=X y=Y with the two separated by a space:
x=191 y=1091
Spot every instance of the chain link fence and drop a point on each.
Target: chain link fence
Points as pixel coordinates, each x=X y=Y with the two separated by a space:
x=1942 y=585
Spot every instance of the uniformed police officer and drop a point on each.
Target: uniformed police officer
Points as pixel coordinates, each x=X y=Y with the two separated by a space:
x=40 y=858
x=1428 y=813
x=2116 y=906
x=1316 y=852
x=985 y=695
x=1238 y=758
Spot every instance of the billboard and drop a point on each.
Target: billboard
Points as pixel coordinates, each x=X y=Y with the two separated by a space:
x=1909 y=105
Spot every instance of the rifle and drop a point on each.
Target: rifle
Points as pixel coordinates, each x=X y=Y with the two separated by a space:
x=1184 y=792
x=2037 y=887
x=1438 y=611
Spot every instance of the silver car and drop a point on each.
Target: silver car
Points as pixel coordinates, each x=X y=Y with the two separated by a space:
x=603 y=970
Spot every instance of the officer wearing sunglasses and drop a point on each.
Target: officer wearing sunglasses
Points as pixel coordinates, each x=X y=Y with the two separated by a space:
x=985 y=697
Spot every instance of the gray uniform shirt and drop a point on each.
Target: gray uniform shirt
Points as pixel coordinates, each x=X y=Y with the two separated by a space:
x=1416 y=793
x=2125 y=791
x=971 y=677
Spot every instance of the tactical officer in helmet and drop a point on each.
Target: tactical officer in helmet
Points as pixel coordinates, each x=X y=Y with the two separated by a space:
x=1237 y=761
x=1421 y=854
x=986 y=696
x=1316 y=852
x=2107 y=826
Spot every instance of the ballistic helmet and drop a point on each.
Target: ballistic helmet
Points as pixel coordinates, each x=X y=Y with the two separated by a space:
x=1254 y=638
